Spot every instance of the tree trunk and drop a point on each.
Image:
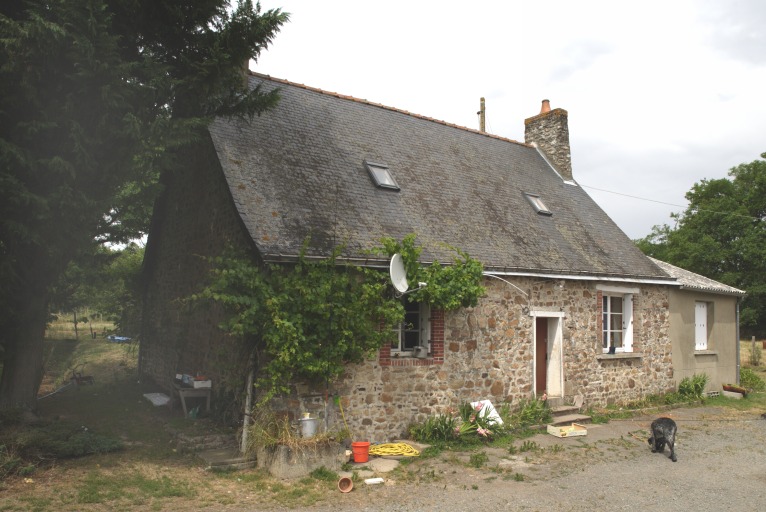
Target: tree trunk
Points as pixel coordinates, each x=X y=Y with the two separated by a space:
x=23 y=361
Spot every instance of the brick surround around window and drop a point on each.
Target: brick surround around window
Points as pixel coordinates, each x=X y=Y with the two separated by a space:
x=437 y=347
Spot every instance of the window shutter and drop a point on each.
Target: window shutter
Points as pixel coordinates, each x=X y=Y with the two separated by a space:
x=627 y=322
x=425 y=325
x=700 y=326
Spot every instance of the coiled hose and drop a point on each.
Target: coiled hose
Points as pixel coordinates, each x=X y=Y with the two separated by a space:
x=393 y=449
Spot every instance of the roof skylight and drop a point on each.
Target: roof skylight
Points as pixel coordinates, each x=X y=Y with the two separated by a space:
x=537 y=204
x=381 y=175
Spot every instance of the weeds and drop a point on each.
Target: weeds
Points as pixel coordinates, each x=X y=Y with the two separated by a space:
x=324 y=475
x=529 y=446
x=22 y=444
x=533 y=412
x=478 y=460
x=12 y=464
x=270 y=429
x=556 y=448
x=750 y=380
x=469 y=425
x=435 y=428
x=694 y=386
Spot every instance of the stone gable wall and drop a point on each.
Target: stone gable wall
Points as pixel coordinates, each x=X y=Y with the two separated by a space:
x=194 y=220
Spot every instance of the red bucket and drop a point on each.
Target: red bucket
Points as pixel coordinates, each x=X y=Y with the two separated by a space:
x=361 y=451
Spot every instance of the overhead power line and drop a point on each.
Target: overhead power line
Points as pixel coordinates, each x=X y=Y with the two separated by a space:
x=669 y=204
x=632 y=197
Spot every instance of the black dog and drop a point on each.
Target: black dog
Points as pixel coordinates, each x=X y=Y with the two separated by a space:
x=663 y=431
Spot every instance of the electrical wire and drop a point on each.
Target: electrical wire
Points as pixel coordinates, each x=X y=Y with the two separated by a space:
x=669 y=204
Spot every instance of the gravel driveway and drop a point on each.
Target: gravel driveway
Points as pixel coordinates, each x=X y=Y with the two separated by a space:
x=721 y=466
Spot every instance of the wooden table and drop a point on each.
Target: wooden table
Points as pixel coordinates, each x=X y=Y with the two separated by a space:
x=184 y=393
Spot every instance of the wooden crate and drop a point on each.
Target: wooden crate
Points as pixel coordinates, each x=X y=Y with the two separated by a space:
x=573 y=430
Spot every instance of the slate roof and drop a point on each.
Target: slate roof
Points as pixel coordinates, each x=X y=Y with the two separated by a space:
x=691 y=281
x=297 y=170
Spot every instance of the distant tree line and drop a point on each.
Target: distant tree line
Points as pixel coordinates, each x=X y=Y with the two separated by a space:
x=722 y=235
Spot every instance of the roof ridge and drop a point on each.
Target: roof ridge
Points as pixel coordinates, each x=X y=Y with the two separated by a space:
x=385 y=107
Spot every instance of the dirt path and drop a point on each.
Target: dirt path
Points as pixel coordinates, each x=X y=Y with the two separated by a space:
x=721 y=466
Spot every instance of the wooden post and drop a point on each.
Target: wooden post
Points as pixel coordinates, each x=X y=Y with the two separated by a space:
x=752 y=351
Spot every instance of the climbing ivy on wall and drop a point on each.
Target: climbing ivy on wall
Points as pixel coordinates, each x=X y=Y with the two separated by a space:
x=310 y=319
x=448 y=287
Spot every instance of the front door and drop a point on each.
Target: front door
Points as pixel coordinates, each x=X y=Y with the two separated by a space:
x=541 y=355
x=549 y=357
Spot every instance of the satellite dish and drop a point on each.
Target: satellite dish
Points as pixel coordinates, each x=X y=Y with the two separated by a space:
x=398 y=274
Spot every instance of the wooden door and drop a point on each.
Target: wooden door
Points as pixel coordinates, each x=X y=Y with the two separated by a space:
x=541 y=355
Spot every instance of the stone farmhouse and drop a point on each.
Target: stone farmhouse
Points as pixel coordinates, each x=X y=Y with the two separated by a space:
x=572 y=306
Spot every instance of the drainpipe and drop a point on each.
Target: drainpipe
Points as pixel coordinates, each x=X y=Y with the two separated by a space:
x=737 y=329
x=248 y=404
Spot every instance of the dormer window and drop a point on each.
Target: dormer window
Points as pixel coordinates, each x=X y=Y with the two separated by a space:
x=381 y=175
x=537 y=204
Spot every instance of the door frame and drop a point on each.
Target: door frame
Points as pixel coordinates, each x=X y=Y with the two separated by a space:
x=555 y=344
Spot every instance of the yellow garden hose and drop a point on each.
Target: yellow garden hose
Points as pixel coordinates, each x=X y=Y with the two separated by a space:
x=393 y=449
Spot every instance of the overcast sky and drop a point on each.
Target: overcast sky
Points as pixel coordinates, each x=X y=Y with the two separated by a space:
x=660 y=94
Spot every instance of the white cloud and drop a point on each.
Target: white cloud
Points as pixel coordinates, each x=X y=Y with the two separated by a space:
x=660 y=94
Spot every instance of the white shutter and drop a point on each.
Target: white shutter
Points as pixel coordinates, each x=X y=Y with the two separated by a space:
x=627 y=322
x=425 y=325
x=700 y=326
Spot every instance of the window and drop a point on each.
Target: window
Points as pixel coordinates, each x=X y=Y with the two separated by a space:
x=415 y=330
x=381 y=175
x=617 y=322
x=537 y=204
x=702 y=324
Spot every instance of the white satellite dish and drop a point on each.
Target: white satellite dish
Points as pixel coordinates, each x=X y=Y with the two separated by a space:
x=398 y=274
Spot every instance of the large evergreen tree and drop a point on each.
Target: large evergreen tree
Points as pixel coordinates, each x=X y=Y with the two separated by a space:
x=722 y=235
x=96 y=96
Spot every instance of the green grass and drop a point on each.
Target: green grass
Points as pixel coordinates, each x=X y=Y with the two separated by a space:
x=35 y=504
x=135 y=489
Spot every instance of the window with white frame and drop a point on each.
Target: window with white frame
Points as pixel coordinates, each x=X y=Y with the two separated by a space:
x=702 y=311
x=617 y=320
x=415 y=330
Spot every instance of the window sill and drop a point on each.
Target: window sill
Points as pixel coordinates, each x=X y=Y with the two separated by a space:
x=410 y=361
x=705 y=352
x=622 y=355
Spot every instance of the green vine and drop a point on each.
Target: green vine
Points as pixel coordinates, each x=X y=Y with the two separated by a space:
x=447 y=287
x=310 y=319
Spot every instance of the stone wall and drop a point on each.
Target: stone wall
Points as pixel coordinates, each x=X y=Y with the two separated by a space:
x=489 y=354
x=194 y=219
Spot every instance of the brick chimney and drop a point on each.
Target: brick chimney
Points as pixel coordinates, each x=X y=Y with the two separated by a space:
x=549 y=131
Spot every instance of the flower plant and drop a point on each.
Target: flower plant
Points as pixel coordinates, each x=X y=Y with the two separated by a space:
x=475 y=421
